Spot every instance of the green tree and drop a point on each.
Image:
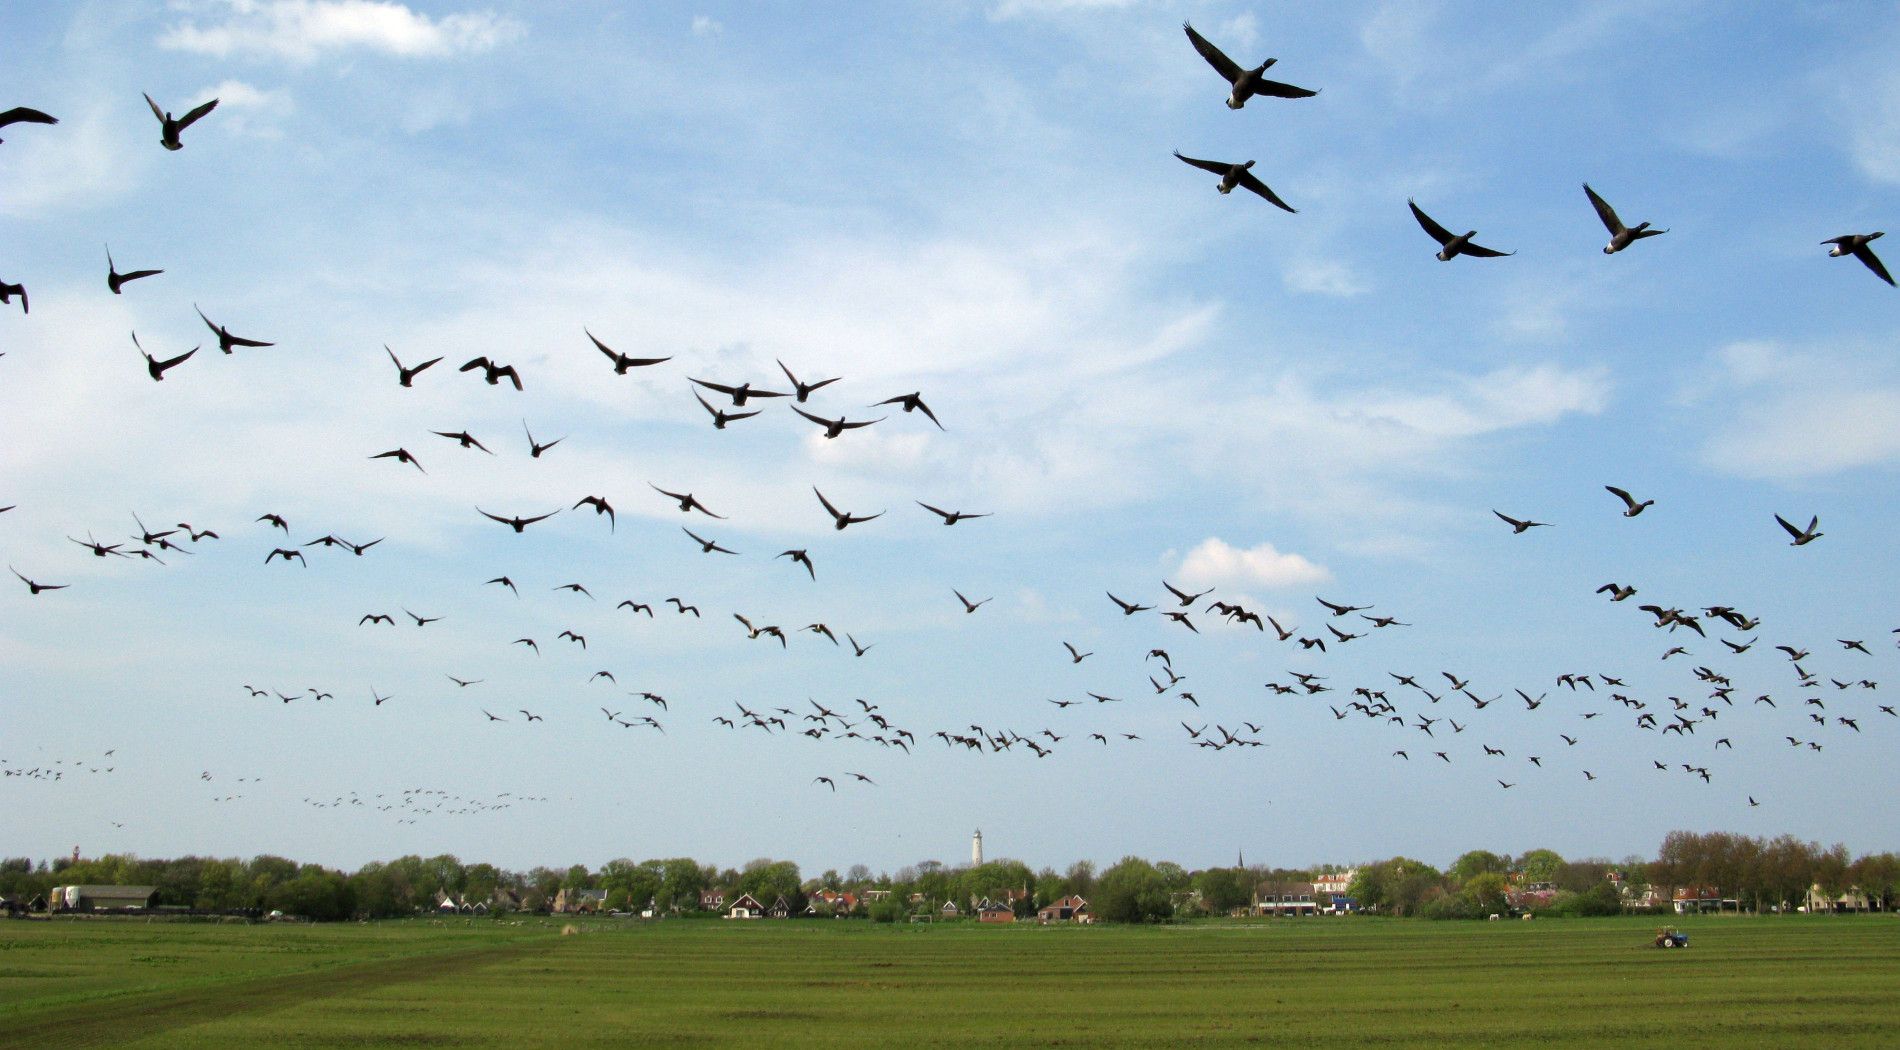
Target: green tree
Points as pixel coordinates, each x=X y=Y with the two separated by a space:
x=1477 y=862
x=1132 y=890
x=1485 y=892
x=1224 y=889
x=1540 y=865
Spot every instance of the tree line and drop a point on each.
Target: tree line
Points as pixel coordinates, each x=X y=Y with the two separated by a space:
x=1761 y=874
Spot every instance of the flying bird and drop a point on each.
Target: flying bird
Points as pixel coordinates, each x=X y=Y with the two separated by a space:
x=225 y=339
x=801 y=391
x=171 y=127
x=1232 y=175
x=8 y=291
x=1452 y=246
x=407 y=376
x=35 y=588
x=1245 y=83
x=706 y=546
x=535 y=448
x=400 y=455
x=842 y=519
x=621 y=361
x=1805 y=536
x=518 y=524
x=1518 y=528
x=912 y=402
x=1856 y=245
x=950 y=517
x=1621 y=236
x=116 y=280
x=156 y=368
x=601 y=506
x=1631 y=508
x=720 y=416
x=462 y=438
x=494 y=373
x=968 y=605
x=799 y=557
x=1127 y=608
x=739 y=393
x=835 y=427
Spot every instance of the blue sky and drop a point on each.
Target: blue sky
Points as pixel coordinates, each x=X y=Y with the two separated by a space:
x=1140 y=378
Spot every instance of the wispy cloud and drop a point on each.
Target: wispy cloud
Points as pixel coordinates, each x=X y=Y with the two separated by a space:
x=300 y=30
x=1009 y=9
x=1215 y=562
x=1799 y=413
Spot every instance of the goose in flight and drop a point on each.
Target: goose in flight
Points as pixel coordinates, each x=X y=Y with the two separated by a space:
x=686 y=501
x=1621 y=236
x=407 y=376
x=1246 y=83
x=720 y=416
x=171 y=127
x=950 y=517
x=1232 y=175
x=912 y=402
x=225 y=339
x=1518 y=528
x=834 y=427
x=156 y=368
x=802 y=391
x=739 y=393
x=842 y=519
x=1453 y=245
x=1802 y=537
x=1855 y=244
x=519 y=524
x=493 y=372
x=621 y=361
x=116 y=280
x=1631 y=507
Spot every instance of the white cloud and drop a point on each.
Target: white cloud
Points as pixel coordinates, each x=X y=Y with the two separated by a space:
x=1873 y=117
x=1323 y=277
x=1009 y=9
x=300 y=30
x=1217 y=563
x=1792 y=414
x=706 y=25
x=84 y=163
x=247 y=110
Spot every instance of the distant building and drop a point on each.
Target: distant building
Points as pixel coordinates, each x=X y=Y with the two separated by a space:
x=1068 y=909
x=995 y=912
x=746 y=907
x=579 y=902
x=712 y=900
x=1328 y=883
x=1849 y=900
x=101 y=898
x=976 y=848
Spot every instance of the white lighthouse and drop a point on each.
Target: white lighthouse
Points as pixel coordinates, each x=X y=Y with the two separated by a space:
x=976 y=848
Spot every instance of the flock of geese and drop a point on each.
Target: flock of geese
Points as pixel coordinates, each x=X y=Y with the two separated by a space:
x=1821 y=695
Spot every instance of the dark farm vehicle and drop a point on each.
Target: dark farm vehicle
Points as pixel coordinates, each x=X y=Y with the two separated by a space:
x=1670 y=937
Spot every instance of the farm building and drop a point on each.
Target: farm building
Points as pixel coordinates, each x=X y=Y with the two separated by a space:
x=1068 y=909
x=100 y=898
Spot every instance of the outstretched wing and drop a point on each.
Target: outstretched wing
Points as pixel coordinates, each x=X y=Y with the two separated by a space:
x=1482 y=252
x=1276 y=89
x=1205 y=165
x=1438 y=233
x=1222 y=64
x=156 y=112
x=1604 y=211
x=23 y=114
x=1248 y=180
x=1866 y=255
x=192 y=117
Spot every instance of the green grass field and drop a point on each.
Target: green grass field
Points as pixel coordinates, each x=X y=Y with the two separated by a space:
x=1586 y=983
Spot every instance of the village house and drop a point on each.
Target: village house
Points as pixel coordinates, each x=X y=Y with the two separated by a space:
x=579 y=902
x=712 y=900
x=1848 y=900
x=745 y=907
x=1068 y=909
x=1329 y=883
x=1285 y=898
x=995 y=912
x=1689 y=900
x=780 y=909
x=949 y=911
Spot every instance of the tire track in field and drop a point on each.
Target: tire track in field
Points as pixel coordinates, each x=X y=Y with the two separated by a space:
x=113 y=1022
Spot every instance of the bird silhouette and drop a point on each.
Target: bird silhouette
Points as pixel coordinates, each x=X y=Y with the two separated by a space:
x=1245 y=83
x=171 y=127
x=156 y=368
x=225 y=339
x=621 y=361
x=116 y=280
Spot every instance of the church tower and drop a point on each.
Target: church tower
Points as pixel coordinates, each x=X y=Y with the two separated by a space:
x=976 y=848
